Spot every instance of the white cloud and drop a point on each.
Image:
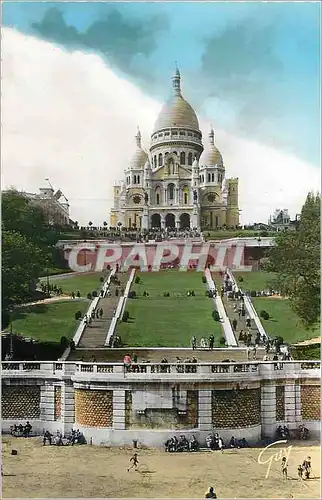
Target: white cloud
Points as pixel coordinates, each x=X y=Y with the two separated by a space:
x=70 y=118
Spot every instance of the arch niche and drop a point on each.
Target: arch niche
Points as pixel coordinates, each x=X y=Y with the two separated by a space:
x=170 y=221
x=185 y=221
x=156 y=220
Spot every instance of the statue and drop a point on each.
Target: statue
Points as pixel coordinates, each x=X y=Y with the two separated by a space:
x=146 y=198
x=195 y=196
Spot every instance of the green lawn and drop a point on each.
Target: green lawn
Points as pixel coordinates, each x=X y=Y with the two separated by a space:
x=49 y=322
x=85 y=284
x=158 y=321
x=283 y=321
x=255 y=280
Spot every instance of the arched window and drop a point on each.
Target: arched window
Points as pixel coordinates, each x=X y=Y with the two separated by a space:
x=158 y=199
x=190 y=159
x=185 y=199
x=182 y=158
x=160 y=160
x=155 y=162
x=171 y=191
x=209 y=177
x=212 y=177
x=134 y=180
x=138 y=179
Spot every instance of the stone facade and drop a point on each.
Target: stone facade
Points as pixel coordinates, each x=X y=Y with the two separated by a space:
x=20 y=402
x=236 y=408
x=311 y=402
x=174 y=185
x=94 y=408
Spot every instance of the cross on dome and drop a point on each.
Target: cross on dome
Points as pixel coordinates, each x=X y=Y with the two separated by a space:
x=212 y=136
x=176 y=81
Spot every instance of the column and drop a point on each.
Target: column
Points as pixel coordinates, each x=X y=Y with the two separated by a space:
x=47 y=402
x=268 y=410
x=177 y=222
x=162 y=221
x=292 y=405
x=119 y=410
x=205 y=410
x=67 y=406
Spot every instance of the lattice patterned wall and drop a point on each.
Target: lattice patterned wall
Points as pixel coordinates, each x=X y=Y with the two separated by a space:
x=192 y=408
x=235 y=409
x=57 y=403
x=128 y=409
x=94 y=408
x=311 y=402
x=280 y=408
x=20 y=402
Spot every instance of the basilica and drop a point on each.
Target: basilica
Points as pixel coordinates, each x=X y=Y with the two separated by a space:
x=176 y=184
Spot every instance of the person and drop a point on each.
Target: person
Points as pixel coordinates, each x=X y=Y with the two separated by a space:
x=47 y=437
x=284 y=467
x=194 y=343
x=127 y=362
x=300 y=471
x=211 y=342
x=135 y=461
x=210 y=493
x=234 y=324
x=306 y=466
x=27 y=429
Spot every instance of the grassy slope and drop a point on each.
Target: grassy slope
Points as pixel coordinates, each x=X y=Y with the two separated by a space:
x=49 y=322
x=85 y=284
x=169 y=321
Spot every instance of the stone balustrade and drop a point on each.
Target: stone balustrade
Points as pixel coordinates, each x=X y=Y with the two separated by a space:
x=151 y=371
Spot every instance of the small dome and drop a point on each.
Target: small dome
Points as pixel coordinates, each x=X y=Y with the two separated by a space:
x=177 y=112
x=140 y=157
x=212 y=154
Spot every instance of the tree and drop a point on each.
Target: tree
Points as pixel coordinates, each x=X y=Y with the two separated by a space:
x=295 y=258
x=22 y=263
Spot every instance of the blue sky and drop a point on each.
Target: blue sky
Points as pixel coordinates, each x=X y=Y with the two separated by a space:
x=252 y=68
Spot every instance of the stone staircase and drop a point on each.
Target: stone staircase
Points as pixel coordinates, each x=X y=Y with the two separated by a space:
x=95 y=334
x=229 y=306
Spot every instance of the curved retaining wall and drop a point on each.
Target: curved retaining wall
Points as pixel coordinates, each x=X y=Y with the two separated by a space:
x=153 y=402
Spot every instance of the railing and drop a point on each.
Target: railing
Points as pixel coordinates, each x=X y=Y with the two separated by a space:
x=150 y=371
x=228 y=331
x=251 y=311
x=120 y=309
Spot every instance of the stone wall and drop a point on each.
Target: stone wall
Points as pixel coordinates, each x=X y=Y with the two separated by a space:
x=57 y=409
x=234 y=409
x=174 y=414
x=20 y=402
x=280 y=408
x=311 y=402
x=94 y=408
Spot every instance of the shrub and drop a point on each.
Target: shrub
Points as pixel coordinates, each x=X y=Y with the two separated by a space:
x=215 y=315
x=101 y=279
x=89 y=296
x=240 y=279
x=204 y=279
x=166 y=294
x=64 y=342
x=125 y=316
x=78 y=315
x=253 y=293
x=94 y=293
x=264 y=315
x=222 y=341
x=137 y=280
x=132 y=295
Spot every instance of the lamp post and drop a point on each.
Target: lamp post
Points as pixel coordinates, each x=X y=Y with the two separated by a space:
x=259 y=259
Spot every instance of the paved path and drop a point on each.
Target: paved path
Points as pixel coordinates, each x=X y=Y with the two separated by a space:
x=95 y=335
x=156 y=355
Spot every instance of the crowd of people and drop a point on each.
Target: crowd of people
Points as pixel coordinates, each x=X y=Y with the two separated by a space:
x=283 y=432
x=215 y=442
x=205 y=343
x=304 y=470
x=76 y=437
x=185 y=366
x=174 y=445
x=21 y=430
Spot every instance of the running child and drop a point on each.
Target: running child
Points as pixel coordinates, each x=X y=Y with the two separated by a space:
x=135 y=461
x=284 y=467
